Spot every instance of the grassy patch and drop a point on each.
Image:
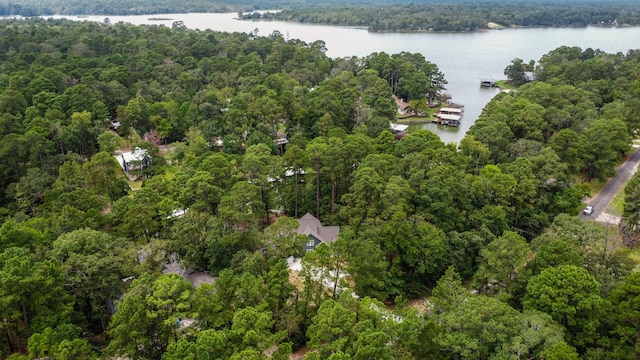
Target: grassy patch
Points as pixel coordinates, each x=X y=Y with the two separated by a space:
x=136 y=185
x=426 y=115
x=629 y=153
x=122 y=143
x=415 y=119
x=430 y=112
x=617 y=204
x=504 y=84
x=170 y=171
x=613 y=233
x=125 y=143
x=634 y=255
x=595 y=185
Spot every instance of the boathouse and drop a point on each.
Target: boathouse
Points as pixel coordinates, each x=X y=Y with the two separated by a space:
x=448 y=119
x=449 y=116
x=450 y=111
x=399 y=130
x=489 y=83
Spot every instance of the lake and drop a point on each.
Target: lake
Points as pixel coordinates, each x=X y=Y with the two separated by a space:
x=463 y=58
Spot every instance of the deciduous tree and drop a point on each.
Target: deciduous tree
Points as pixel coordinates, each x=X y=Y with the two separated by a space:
x=148 y=317
x=478 y=328
x=501 y=261
x=516 y=72
x=572 y=297
x=281 y=239
x=32 y=295
x=93 y=264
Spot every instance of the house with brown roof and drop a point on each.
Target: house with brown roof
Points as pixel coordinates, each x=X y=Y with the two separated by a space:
x=311 y=227
x=402 y=106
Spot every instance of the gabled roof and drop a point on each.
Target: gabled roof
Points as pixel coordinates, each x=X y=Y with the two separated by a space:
x=449 y=117
x=400 y=102
x=451 y=110
x=396 y=128
x=137 y=154
x=310 y=225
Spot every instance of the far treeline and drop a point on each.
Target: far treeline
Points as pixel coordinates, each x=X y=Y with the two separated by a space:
x=469 y=251
x=465 y=16
x=378 y=16
x=137 y=7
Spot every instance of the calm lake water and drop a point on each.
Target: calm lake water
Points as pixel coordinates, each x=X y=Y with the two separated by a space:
x=464 y=58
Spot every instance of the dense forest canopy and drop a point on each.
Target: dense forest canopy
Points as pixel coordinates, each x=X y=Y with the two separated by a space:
x=85 y=250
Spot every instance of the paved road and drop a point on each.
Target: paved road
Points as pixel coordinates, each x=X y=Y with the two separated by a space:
x=615 y=184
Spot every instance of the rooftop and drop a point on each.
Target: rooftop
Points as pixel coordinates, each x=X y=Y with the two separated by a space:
x=396 y=128
x=451 y=110
x=310 y=225
x=449 y=117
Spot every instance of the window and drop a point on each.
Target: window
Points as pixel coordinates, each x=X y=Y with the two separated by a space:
x=311 y=242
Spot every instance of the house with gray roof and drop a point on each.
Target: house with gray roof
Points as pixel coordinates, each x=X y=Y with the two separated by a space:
x=131 y=161
x=311 y=227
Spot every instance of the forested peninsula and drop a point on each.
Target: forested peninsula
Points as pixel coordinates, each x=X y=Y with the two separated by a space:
x=246 y=150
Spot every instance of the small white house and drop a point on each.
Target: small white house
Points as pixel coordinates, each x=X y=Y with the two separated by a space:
x=137 y=159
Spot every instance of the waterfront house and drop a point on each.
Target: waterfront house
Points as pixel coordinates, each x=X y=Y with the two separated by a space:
x=402 y=106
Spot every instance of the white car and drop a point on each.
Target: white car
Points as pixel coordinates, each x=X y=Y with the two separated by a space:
x=588 y=210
